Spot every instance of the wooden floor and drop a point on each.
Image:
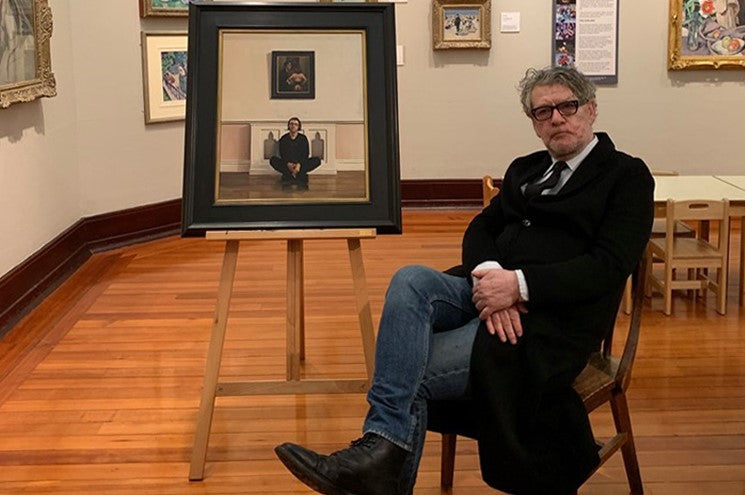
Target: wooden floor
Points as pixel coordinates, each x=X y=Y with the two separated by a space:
x=344 y=185
x=99 y=387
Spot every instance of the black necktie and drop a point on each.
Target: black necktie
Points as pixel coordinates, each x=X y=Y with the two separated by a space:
x=553 y=179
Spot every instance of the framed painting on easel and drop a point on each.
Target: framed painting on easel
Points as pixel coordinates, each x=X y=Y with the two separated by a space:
x=319 y=150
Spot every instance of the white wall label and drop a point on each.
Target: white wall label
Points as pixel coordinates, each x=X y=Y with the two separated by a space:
x=510 y=22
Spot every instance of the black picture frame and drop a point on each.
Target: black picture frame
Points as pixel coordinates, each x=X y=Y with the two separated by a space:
x=203 y=208
x=293 y=75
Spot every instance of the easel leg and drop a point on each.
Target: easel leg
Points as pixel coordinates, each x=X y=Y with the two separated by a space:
x=363 y=304
x=741 y=297
x=295 y=309
x=214 y=356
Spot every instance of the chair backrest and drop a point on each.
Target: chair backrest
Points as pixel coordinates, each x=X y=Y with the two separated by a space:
x=698 y=209
x=488 y=190
x=623 y=373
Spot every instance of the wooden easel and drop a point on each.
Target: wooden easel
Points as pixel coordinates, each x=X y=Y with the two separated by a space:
x=295 y=328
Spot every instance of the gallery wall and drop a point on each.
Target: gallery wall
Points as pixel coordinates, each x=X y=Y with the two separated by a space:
x=40 y=187
x=246 y=77
x=87 y=151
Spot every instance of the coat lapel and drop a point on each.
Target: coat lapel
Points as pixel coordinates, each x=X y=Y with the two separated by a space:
x=530 y=172
x=590 y=167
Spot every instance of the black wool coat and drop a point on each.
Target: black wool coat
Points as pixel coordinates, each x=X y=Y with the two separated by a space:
x=576 y=249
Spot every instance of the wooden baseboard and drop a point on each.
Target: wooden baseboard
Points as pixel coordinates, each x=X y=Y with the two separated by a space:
x=441 y=193
x=26 y=285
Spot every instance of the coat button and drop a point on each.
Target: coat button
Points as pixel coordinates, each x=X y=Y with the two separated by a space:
x=526 y=222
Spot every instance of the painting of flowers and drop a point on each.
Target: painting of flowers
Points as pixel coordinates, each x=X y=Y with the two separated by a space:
x=706 y=34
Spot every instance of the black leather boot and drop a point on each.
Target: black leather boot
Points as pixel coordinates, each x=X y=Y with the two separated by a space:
x=371 y=465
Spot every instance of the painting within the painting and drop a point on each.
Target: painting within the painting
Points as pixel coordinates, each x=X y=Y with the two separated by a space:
x=293 y=75
x=173 y=67
x=461 y=24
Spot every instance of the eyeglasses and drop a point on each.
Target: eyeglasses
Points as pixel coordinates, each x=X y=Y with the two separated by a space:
x=565 y=108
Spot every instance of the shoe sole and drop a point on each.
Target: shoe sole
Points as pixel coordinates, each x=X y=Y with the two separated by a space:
x=302 y=471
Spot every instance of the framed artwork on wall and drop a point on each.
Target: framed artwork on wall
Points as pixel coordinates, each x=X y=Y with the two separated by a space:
x=164 y=69
x=25 y=64
x=164 y=8
x=461 y=24
x=260 y=157
x=293 y=75
x=706 y=34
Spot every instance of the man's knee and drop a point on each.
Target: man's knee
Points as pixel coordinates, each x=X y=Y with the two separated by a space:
x=312 y=163
x=413 y=277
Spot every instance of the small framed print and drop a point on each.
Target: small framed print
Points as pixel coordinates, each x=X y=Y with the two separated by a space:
x=293 y=75
x=164 y=8
x=164 y=66
x=461 y=24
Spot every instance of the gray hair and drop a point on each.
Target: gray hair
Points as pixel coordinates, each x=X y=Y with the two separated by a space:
x=578 y=83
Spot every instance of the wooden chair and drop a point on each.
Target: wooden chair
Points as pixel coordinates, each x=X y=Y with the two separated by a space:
x=605 y=379
x=658 y=225
x=658 y=231
x=692 y=254
x=488 y=189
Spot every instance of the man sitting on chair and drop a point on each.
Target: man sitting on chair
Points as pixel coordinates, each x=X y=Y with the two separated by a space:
x=293 y=161
x=543 y=269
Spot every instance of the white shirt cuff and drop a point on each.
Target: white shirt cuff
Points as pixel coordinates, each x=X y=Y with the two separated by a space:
x=522 y=285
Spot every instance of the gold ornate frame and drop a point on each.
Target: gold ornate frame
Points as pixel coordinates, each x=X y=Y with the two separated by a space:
x=147 y=10
x=438 y=24
x=676 y=60
x=43 y=84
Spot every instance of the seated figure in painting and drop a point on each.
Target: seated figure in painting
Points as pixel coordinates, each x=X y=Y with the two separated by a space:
x=293 y=161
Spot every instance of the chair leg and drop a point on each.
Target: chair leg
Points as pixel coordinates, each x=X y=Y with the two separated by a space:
x=722 y=289
x=626 y=301
x=622 y=420
x=447 y=465
x=668 y=292
x=648 y=283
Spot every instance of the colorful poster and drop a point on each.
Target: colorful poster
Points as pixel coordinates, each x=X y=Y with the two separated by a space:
x=585 y=36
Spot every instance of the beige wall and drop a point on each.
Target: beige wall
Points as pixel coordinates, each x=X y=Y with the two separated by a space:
x=40 y=193
x=88 y=151
x=338 y=71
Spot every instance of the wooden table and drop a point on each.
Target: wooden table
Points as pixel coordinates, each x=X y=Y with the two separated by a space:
x=684 y=187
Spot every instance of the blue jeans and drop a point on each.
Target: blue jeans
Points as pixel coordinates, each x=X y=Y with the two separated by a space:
x=423 y=352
